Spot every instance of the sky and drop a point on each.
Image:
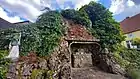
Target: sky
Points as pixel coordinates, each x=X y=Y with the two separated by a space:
x=21 y=10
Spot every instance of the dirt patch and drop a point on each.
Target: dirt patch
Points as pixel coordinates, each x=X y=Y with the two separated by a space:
x=93 y=73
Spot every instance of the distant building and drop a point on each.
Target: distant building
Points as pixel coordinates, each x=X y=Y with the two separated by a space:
x=5 y=24
x=14 y=44
x=18 y=24
x=131 y=28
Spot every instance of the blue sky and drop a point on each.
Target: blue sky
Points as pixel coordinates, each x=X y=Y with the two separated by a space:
x=20 y=10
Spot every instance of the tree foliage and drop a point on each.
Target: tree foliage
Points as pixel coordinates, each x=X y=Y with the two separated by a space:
x=29 y=38
x=44 y=35
x=78 y=17
x=136 y=41
x=104 y=26
x=50 y=26
x=129 y=59
x=6 y=35
x=4 y=64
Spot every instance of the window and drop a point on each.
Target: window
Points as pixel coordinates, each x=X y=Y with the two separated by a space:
x=130 y=45
x=138 y=46
x=130 y=35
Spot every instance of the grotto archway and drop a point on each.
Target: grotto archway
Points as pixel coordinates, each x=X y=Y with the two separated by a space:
x=83 y=54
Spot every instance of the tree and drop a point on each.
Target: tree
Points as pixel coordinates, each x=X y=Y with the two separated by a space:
x=6 y=35
x=136 y=41
x=104 y=26
x=29 y=38
x=78 y=17
x=50 y=27
x=44 y=35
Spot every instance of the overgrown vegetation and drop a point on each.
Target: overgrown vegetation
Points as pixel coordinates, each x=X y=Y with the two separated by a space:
x=38 y=73
x=4 y=64
x=78 y=17
x=50 y=25
x=100 y=23
x=104 y=26
x=6 y=35
x=135 y=74
x=136 y=41
x=129 y=59
x=45 y=34
x=29 y=38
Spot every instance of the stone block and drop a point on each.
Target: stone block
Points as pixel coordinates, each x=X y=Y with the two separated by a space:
x=82 y=60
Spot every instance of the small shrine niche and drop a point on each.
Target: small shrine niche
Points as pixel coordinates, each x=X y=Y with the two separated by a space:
x=82 y=54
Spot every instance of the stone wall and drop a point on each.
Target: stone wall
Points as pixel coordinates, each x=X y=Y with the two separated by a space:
x=56 y=65
x=82 y=61
x=59 y=64
x=83 y=53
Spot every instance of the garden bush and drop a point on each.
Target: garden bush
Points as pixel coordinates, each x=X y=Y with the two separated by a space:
x=44 y=35
x=4 y=63
x=79 y=17
x=135 y=74
x=129 y=59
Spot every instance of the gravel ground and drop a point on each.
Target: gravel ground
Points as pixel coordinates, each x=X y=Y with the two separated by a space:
x=93 y=73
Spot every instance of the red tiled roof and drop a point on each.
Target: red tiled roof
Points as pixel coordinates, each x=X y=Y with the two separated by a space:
x=131 y=24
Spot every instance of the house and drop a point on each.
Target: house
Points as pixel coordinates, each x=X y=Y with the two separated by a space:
x=5 y=24
x=131 y=28
x=18 y=24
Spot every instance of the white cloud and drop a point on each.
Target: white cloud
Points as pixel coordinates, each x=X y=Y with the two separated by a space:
x=117 y=6
x=25 y=8
x=77 y=3
x=124 y=8
x=130 y=3
x=31 y=9
x=81 y=3
x=5 y=16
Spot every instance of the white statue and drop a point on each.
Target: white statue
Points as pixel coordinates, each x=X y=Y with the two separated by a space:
x=14 y=48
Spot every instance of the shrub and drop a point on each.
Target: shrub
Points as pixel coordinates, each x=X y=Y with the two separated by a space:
x=103 y=25
x=128 y=58
x=122 y=62
x=44 y=35
x=4 y=64
x=79 y=17
x=29 y=39
x=51 y=29
x=135 y=74
x=6 y=35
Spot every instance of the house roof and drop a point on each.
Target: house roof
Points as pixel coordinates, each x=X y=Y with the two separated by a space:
x=22 y=23
x=130 y=24
x=77 y=32
x=5 y=24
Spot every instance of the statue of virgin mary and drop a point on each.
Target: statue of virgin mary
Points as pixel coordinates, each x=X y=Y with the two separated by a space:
x=14 y=47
